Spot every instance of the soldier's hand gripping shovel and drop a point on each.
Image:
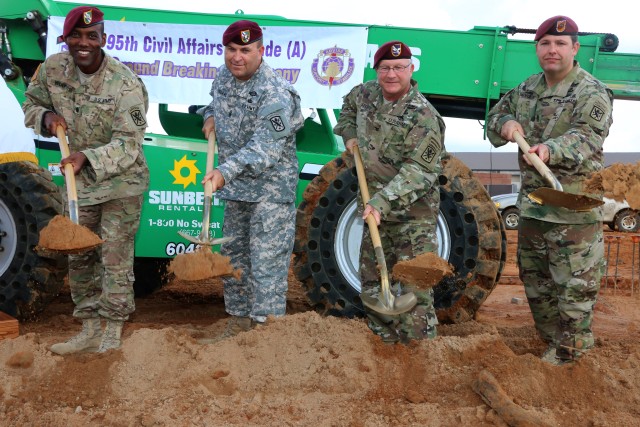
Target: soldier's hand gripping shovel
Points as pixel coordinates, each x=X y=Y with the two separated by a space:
x=204 y=239
x=387 y=303
x=554 y=196
x=59 y=236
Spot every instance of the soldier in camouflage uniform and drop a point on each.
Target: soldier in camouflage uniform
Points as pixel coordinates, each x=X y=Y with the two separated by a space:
x=401 y=137
x=102 y=105
x=256 y=115
x=565 y=114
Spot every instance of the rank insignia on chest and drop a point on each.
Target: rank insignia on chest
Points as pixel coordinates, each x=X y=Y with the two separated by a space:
x=277 y=123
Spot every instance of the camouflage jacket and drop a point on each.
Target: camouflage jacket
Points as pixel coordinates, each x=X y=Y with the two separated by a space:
x=402 y=145
x=106 y=118
x=572 y=119
x=256 y=123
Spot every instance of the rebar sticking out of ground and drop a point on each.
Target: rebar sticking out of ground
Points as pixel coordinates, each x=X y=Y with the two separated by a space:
x=635 y=239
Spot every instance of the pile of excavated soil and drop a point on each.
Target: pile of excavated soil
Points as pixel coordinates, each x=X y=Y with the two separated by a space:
x=63 y=235
x=424 y=271
x=202 y=264
x=620 y=181
x=304 y=369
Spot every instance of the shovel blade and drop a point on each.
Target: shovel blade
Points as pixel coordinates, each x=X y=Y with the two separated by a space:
x=401 y=304
x=205 y=241
x=575 y=202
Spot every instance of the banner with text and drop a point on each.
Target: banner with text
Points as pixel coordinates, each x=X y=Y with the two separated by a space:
x=178 y=62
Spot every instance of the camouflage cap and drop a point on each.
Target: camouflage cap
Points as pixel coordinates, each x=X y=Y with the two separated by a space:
x=242 y=32
x=391 y=50
x=557 y=26
x=81 y=17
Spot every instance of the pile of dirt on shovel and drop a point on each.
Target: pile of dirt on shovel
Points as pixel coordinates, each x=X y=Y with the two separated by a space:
x=620 y=181
x=63 y=235
x=201 y=265
x=424 y=271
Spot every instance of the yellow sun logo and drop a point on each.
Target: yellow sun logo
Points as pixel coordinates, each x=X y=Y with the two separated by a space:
x=177 y=171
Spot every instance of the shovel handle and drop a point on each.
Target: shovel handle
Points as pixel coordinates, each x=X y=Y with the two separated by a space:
x=537 y=162
x=364 y=191
x=387 y=296
x=208 y=186
x=69 y=176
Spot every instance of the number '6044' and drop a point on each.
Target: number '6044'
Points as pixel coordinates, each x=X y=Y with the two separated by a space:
x=173 y=248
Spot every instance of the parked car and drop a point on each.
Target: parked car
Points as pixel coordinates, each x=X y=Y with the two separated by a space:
x=617 y=215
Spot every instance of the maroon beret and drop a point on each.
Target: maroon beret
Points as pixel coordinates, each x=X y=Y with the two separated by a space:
x=242 y=32
x=391 y=50
x=81 y=17
x=557 y=26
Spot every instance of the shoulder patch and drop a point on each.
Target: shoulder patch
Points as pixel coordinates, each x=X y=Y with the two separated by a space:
x=137 y=115
x=428 y=152
x=277 y=123
x=596 y=113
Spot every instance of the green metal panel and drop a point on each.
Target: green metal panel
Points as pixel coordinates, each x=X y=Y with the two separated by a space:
x=452 y=63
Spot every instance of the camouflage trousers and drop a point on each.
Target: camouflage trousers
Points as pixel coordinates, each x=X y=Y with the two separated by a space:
x=101 y=280
x=263 y=235
x=400 y=241
x=561 y=266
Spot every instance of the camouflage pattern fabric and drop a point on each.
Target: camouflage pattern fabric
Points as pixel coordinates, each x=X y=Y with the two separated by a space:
x=101 y=280
x=560 y=251
x=263 y=241
x=401 y=241
x=572 y=119
x=402 y=145
x=106 y=116
x=561 y=266
x=256 y=123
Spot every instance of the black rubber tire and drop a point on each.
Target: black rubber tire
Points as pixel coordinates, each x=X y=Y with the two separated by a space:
x=475 y=242
x=29 y=199
x=628 y=221
x=511 y=217
x=150 y=274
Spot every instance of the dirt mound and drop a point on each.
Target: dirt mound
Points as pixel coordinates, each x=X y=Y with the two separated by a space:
x=304 y=369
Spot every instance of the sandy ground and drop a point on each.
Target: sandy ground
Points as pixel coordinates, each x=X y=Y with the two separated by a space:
x=305 y=369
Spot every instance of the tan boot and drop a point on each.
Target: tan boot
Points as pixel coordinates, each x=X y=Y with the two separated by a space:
x=87 y=340
x=111 y=336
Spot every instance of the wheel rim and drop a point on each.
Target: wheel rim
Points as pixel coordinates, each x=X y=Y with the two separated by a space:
x=628 y=223
x=348 y=239
x=8 y=237
x=511 y=220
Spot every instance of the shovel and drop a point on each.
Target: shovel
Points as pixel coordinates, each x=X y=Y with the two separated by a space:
x=204 y=239
x=57 y=228
x=387 y=303
x=554 y=196
x=69 y=176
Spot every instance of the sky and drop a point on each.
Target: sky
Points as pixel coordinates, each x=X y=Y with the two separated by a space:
x=614 y=16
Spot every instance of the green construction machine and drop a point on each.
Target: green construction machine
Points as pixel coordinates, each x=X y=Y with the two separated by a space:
x=462 y=73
